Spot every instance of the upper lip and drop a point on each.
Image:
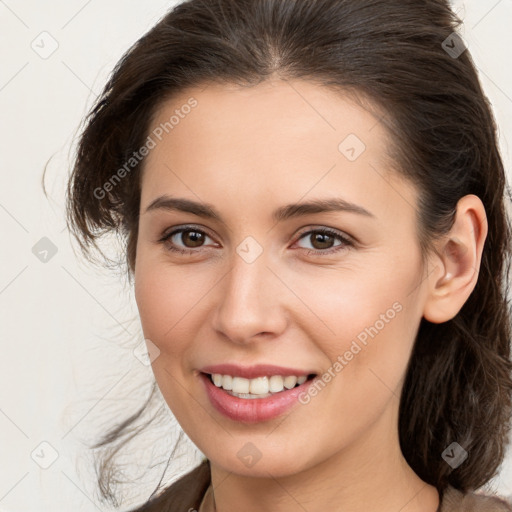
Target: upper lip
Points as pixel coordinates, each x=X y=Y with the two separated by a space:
x=251 y=372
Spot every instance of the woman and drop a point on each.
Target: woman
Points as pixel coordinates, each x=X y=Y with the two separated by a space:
x=313 y=204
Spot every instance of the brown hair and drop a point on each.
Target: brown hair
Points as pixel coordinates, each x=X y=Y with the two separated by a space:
x=393 y=52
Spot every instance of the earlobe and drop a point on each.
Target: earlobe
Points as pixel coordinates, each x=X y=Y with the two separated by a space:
x=457 y=262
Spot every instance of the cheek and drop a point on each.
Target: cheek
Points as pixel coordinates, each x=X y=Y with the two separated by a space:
x=366 y=325
x=167 y=297
x=174 y=303
x=166 y=306
x=347 y=304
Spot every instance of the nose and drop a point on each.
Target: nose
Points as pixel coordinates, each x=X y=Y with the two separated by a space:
x=251 y=305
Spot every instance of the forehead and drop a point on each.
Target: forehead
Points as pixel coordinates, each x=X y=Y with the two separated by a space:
x=280 y=139
x=280 y=113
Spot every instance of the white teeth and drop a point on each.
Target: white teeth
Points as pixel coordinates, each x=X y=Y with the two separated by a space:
x=259 y=386
x=289 y=382
x=240 y=385
x=227 y=382
x=256 y=388
x=276 y=383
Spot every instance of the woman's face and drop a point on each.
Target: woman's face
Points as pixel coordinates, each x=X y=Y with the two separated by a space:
x=261 y=291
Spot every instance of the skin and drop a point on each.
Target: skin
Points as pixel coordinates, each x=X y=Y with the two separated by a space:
x=248 y=151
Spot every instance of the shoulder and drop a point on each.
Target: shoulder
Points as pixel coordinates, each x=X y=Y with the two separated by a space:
x=454 y=500
x=183 y=495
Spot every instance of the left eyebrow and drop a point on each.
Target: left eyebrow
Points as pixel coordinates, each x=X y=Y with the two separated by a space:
x=318 y=206
x=283 y=213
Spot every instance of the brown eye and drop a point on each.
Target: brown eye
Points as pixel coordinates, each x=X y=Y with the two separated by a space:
x=323 y=241
x=192 y=238
x=184 y=240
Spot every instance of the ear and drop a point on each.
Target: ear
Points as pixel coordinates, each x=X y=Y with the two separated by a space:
x=456 y=262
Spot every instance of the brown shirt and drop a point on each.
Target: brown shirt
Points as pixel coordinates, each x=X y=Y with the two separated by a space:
x=198 y=497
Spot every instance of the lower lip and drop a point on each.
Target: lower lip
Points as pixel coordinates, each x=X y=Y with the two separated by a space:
x=252 y=410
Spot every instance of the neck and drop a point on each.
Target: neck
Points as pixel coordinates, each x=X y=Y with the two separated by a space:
x=369 y=475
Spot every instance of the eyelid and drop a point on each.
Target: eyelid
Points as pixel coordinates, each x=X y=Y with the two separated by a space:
x=333 y=231
x=304 y=231
x=184 y=227
x=346 y=240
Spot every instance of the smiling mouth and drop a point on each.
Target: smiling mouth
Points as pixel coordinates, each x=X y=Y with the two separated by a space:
x=259 y=387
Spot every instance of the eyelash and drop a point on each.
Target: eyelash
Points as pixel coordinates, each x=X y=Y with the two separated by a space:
x=345 y=242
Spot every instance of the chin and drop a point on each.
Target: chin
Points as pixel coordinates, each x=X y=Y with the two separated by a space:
x=249 y=461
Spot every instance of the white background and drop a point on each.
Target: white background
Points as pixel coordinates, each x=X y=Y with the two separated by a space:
x=67 y=370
